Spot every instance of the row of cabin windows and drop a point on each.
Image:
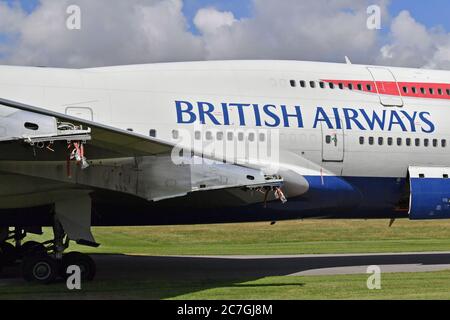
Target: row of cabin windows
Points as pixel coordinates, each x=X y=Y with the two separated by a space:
x=407 y=141
x=220 y=136
x=360 y=87
x=323 y=85
x=423 y=91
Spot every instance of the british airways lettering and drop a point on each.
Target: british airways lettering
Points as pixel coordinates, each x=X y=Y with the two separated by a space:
x=274 y=116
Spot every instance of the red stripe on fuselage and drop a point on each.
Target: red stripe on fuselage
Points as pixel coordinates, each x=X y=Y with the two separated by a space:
x=404 y=89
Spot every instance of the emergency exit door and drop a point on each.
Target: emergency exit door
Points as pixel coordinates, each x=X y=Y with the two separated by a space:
x=387 y=87
x=332 y=143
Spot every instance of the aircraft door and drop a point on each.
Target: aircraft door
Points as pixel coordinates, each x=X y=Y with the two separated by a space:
x=387 y=87
x=332 y=144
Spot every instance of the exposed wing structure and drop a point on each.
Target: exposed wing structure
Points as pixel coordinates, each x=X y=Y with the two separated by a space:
x=116 y=140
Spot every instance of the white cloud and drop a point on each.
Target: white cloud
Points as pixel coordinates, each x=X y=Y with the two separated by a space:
x=412 y=44
x=210 y=20
x=142 y=31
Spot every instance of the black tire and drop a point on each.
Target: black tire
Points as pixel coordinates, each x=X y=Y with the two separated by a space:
x=32 y=247
x=40 y=268
x=9 y=253
x=85 y=262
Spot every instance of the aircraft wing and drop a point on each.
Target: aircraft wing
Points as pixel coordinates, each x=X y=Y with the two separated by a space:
x=151 y=176
x=120 y=141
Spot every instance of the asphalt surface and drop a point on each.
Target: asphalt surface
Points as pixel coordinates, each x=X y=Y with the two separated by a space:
x=127 y=267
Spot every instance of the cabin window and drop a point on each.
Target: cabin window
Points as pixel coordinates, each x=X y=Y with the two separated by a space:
x=390 y=141
x=380 y=141
x=414 y=90
x=445 y=176
x=302 y=83
x=399 y=142
x=369 y=87
x=230 y=136
x=408 y=142
x=405 y=89
x=312 y=84
x=262 y=137
x=440 y=92
x=175 y=134
x=197 y=135
x=328 y=139
x=443 y=143
x=435 y=143
x=322 y=85
x=153 y=133
x=426 y=142
x=371 y=141
x=448 y=92
x=422 y=90
x=350 y=86
x=361 y=140
x=241 y=136
x=219 y=136
x=341 y=86
x=359 y=86
x=431 y=91
x=331 y=85
x=209 y=135
x=417 y=142
x=293 y=83
x=251 y=137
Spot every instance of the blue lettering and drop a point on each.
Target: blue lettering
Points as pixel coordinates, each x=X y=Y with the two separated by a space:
x=257 y=115
x=337 y=118
x=412 y=120
x=271 y=115
x=297 y=115
x=226 y=115
x=240 y=107
x=349 y=118
x=321 y=116
x=375 y=119
x=428 y=122
x=397 y=120
x=187 y=111
x=202 y=112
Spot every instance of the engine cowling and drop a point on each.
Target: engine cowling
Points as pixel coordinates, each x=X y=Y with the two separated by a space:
x=430 y=193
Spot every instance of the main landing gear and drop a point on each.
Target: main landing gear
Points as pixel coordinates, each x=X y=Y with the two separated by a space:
x=44 y=262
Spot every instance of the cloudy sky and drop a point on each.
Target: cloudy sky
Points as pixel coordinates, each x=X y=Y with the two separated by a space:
x=34 y=32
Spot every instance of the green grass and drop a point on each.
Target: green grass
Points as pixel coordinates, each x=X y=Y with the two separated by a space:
x=298 y=237
x=432 y=285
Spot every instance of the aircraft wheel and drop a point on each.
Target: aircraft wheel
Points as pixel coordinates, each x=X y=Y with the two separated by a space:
x=40 y=268
x=9 y=253
x=85 y=262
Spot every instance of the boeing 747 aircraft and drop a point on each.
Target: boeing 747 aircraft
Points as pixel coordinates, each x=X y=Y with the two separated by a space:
x=213 y=142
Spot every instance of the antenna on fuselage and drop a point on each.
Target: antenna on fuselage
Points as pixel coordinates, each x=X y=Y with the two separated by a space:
x=347 y=60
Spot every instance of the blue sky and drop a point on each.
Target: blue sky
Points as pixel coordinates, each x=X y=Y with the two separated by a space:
x=431 y=13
